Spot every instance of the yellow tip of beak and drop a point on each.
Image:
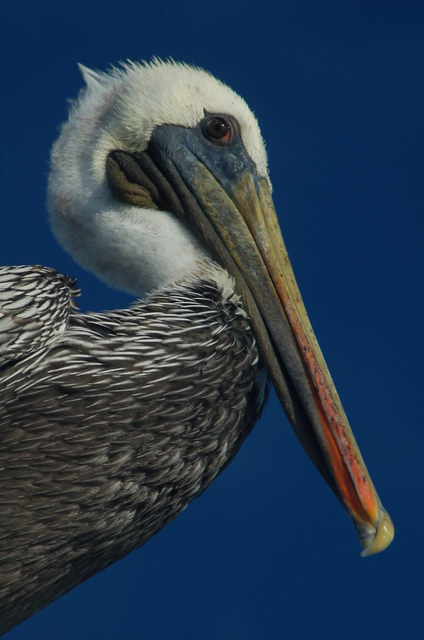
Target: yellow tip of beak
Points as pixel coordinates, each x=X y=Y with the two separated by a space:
x=383 y=536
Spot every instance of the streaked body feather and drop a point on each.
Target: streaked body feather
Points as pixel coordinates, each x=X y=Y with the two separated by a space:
x=112 y=427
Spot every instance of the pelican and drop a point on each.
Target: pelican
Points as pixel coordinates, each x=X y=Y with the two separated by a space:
x=111 y=423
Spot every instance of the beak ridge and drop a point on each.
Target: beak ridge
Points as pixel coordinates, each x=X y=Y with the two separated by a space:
x=290 y=329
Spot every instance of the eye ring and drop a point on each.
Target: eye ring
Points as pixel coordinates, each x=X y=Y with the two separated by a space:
x=218 y=129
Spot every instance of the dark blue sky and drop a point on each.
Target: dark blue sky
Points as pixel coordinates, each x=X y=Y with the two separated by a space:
x=338 y=88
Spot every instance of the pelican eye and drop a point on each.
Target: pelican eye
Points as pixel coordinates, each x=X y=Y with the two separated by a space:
x=217 y=129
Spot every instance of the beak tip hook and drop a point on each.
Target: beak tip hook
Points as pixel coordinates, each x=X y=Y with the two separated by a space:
x=383 y=537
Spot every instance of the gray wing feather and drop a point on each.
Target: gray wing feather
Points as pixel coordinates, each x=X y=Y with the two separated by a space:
x=35 y=304
x=109 y=431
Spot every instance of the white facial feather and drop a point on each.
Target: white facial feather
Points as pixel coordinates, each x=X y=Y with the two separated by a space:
x=132 y=248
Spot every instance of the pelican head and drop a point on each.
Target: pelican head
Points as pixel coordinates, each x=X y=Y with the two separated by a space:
x=113 y=226
x=160 y=177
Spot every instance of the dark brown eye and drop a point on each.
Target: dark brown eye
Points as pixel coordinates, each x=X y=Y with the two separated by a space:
x=218 y=129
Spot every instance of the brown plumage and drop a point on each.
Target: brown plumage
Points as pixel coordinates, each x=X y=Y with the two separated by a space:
x=110 y=429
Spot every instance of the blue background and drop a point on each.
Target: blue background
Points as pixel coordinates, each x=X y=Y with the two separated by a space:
x=338 y=88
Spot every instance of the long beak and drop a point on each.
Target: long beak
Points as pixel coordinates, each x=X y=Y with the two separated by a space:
x=239 y=225
x=254 y=239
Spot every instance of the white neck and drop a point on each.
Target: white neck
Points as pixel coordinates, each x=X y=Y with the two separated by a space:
x=130 y=248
